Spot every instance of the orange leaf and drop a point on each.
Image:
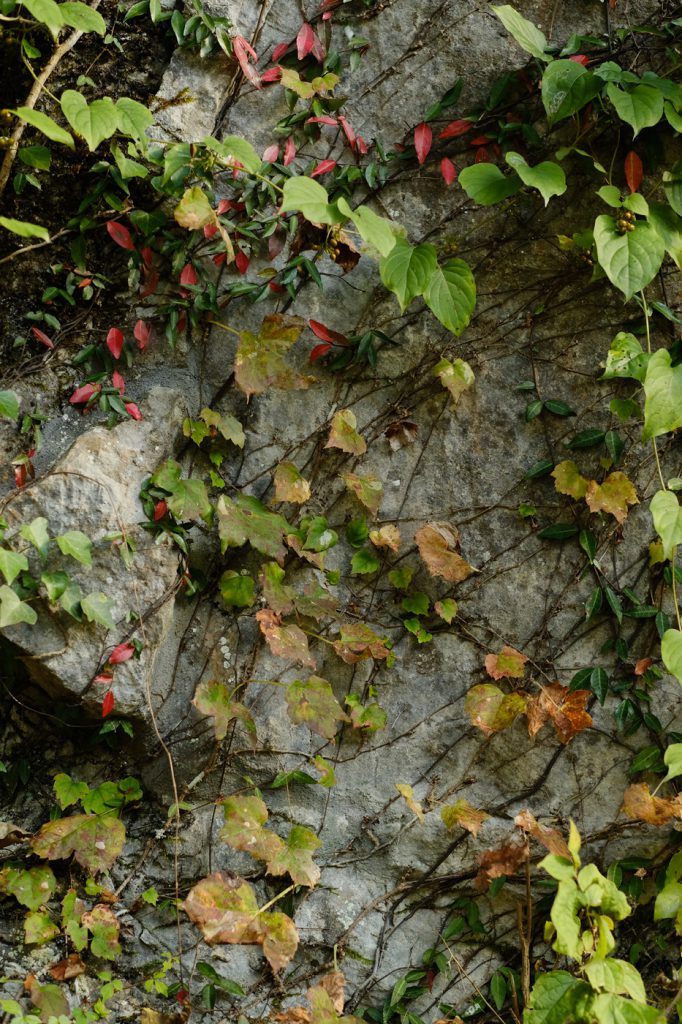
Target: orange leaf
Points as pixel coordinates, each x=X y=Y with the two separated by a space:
x=463 y=814
x=613 y=496
x=639 y=803
x=437 y=543
x=565 y=709
x=505 y=860
x=285 y=641
x=550 y=838
x=633 y=171
x=508 y=664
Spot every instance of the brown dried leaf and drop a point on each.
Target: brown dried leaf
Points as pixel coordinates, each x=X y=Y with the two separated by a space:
x=71 y=967
x=490 y=709
x=505 y=860
x=290 y=485
x=565 y=708
x=508 y=664
x=437 y=543
x=400 y=433
x=407 y=793
x=369 y=490
x=386 y=537
x=259 y=362
x=639 y=803
x=550 y=838
x=569 y=481
x=642 y=665
x=613 y=496
x=11 y=834
x=357 y=642
x=294 y=1015
x=334 y=985
x=463 y=814
x=288 y=642
x=343 y=433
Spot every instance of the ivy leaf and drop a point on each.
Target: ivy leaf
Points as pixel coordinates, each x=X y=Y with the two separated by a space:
x=343 y=433
x=13 y=610
x=407 y=793
x=212 y=698
x=49 y=999
x=508 y=664
x=357 y=642
x=625 y=358
x=614 y=1009
x=639 y=803
x=94 y=121
x=226 y=425
x=133 y=118
x=225 y=908
x=447 y=609
x=565 y=708
x=547 y=177
x=457 y=377
x=9 y=404
x=326 y=770
x=245 y=817
x=487 y=185
x=95 y=841
x=505 y=860
x=632 y=260
x=103 y=924
x=259 y=362
x=450 y=294
x=377 y=231
x=612 y=496
x=245 y=519
x=369 y=490
x=667 y=516
x=611 y=975
x=671 y=652
x=526 y=34
x=663 y=390
x=32 y=887
x=187 y=498
x=437 y=543
x=642 y=107
x=67 y=791
x=313 y=703
x=235 y=150
x=491 y=710
x=370 y=717
x=12 y=563
x=408 y=270
x=295 y=857
x=39 y=928
x=306 y=196
x=569 y=481
x=566 y=88
x=77 y=545
x=290 y=485
x=284 y=641
x=97 y=608
x=194 y=210
x=36 y=534
x=463 y=814
x=237 y=591
x=279 y=596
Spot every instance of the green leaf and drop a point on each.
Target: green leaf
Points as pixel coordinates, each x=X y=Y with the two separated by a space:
x=25 y=229
x=599 y=683
x=625 y=358
x=94 y=121
x=375 y=230
x=11 y=564
x=313 y=703
x=245 y=519
x=616 y=976
x=667 y=516
x=401 y=578
x=47 y=12
x=548 y=178
x=194 y=210
x=486 y=184
x=45 y=125
x=68 y=791
x=631 y=260
x=558 y=531
x=364 y=562
x=236 y=150
x=9 y=404
x=39 y=928
x=97 y=608
x=451 y=296
x=408 y=269
x=567 y=87
x=672 y=184
x=613 y=1009
x=671 y=652
x=306 y=196
x=237 y=591
x=104 y=926
x=663 y=390
x=187 y=498
x=133 y=118
x=673 y=759
x=640 y=108
x=77 y=545
x=13 y=610
x=32 y=887
x=668 y=225
x=36 y=534
x=79 y=16
x=212 y=698
x=446 y=608
x=526 y=34
x=38 y=157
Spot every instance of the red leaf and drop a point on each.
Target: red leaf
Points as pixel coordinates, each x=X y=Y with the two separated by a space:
x=188 y=275
x=115 y=342
x=633 y=171
x=242 y=261
x=160 y=510
x=104 y=678
x=20 y=475
x=347 y=131
x=322 y=119
x=219 y=258
x=362 y=145
x=133 y=411
x=83 y=394
x=279 y=51
x=242 y=51
x=448 y=170
x=305 y=40
x=271 y=75
x=120 y=234
x=289 y=151
x=85 y=282
x=210 y=230
x=482 y=156
x=455 y=129
x=423 y=137
x=142 y=332
x=580 y=58
x=326 y=333
x=42 y=337
x=271 y=154
x=120 y=654
x=118 y=382
x=147 y=256
x=107 y=704
x=319 y=351
x=480 y=140
x=324 y=167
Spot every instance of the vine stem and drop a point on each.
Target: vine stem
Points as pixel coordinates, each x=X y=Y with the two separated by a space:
x=34 y=96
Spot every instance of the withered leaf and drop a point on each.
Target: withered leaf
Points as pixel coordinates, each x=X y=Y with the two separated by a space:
x=566 y=710
x=508 y=664
x=438 y=543
x=612 y=496
x=407 y=793
x=290 y=485
x=569 y=481
x=504 y=860
x=314 y=704
x=386 y=537
x=369 y=490
x=71 y=967
x=490 y=709
x=400 y=433
x=550 y=838
x=213 y=699
x=95 y=841
x=344 y=435
x=285 y=641
x=462 y=813
x=357 y=641
x=640 y=803
x=259 y=362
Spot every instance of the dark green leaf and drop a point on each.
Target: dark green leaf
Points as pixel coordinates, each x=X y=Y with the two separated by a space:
x=599 y=684
x=558 y=531
x=586 y=438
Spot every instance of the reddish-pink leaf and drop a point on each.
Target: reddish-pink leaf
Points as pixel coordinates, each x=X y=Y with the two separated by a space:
x=324 y=167
x=271 y=154
x=108 y=703
x=362 y=145
x=479 y=140
x=20 y=475
x=580 y=58
x=142 y=332
x=279 y=51
x=160 y=510
x=423 y=137
x=448 y=170
x=319 y=351
x=305 y=40
x=189 y=275
x=347 y=131
x=243 y=51
x=118 y=382
x=42 y=337
x=271 y=75
x=326 y=333
x=322 y=119
x=241 y=260
x=84 y=394
x=147 y=256
x=482 y=156
x=455 y=129
x=85 y=282
x=210 y=230
x=115 y=342
x=133 y=411
x=120 y=654
x=633 y=171
x=289 y=151
x=120 y=234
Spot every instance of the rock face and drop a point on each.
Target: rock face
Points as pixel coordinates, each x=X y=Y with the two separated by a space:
x=389 y=880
